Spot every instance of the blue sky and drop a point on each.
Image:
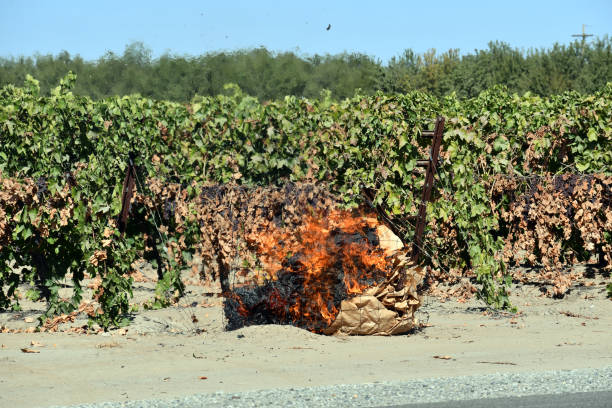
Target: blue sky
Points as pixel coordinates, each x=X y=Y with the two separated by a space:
x=381 y=28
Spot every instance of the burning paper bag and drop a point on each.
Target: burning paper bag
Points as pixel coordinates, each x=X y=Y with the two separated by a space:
x=385 y=309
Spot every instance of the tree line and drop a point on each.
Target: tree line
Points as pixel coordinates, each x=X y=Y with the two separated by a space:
x=581 y=66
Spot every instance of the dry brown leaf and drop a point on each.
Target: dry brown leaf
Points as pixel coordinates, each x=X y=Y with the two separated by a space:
x=443 y=357
x=107 y=232
x=99 y=255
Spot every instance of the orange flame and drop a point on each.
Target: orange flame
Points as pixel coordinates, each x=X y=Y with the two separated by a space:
x=330 y=252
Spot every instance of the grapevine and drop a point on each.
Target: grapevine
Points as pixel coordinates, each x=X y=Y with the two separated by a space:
x=506 y=167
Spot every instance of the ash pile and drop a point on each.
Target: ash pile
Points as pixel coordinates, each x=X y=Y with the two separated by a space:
x=290 y=255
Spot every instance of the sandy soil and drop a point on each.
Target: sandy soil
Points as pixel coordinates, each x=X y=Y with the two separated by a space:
x=160 y=356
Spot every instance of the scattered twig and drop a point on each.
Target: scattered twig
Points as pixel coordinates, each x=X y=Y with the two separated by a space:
x=570 y=314
x=108 y=345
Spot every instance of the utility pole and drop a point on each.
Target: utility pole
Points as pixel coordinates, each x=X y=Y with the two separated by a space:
x=583 y=35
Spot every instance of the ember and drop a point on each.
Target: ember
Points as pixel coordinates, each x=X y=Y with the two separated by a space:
x=309 y=271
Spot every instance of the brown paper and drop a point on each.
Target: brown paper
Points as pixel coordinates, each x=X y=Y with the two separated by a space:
x=385 y=309
x=388 y=241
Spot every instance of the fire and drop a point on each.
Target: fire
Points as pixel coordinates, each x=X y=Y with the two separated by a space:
x=330 y=257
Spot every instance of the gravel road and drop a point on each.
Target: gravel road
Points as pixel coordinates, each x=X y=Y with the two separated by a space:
x=397 y=393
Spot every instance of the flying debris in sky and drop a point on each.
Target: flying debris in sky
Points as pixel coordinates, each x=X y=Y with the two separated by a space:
x=328 y=27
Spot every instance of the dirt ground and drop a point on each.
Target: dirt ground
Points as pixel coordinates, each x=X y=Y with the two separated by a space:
x=160 y=355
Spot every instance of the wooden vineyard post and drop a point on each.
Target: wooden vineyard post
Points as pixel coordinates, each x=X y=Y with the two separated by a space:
x=127 y=193
x=431 y=164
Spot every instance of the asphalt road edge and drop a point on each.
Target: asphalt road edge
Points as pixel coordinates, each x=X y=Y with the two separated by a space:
x=416 y=391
